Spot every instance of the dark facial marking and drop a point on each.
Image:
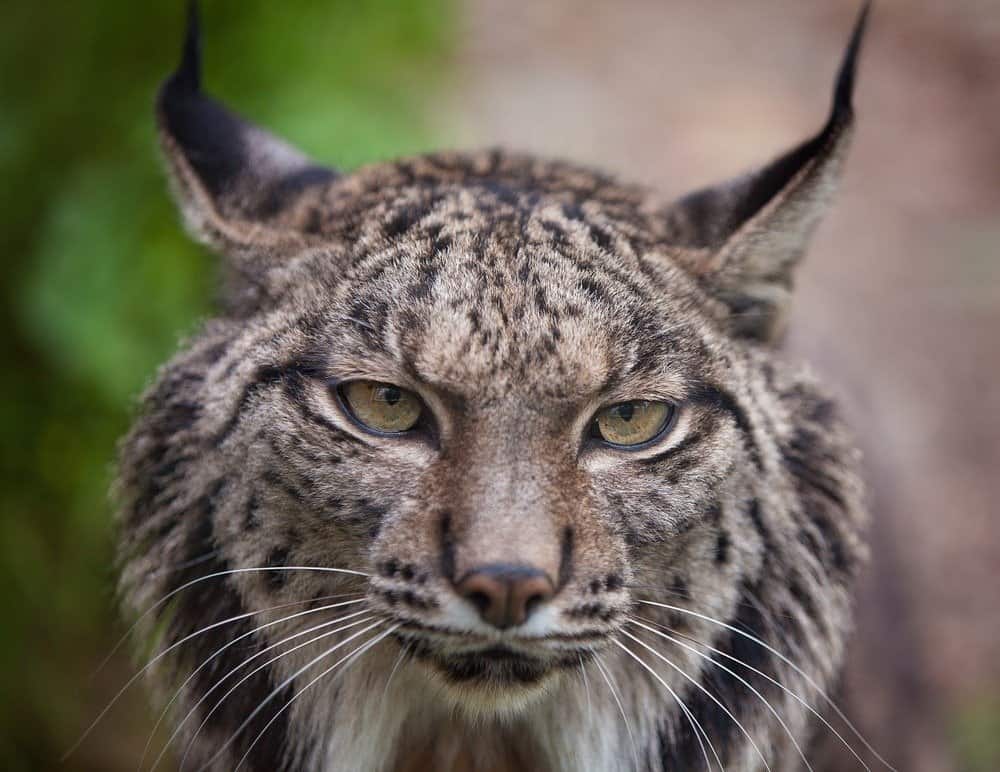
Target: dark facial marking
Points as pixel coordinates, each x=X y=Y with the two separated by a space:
x=447 y=548
x=566 y=557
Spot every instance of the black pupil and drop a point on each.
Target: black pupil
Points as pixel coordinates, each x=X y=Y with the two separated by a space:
x=625 y=411
x=391 y=394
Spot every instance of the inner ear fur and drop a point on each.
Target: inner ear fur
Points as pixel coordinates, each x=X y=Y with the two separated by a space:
x=742 y=239
x=240 y=189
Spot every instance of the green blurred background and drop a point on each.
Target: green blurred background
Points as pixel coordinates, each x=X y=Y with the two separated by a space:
x=101 y=283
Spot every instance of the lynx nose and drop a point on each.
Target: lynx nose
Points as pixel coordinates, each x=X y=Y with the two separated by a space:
x=505 y=595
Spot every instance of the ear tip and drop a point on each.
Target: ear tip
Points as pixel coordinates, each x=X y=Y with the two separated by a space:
x=187 y=76
x=182 y=88
x=843 y=95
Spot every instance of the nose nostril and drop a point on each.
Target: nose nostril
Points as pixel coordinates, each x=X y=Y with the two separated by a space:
x=480 y=600
x=504 y=595
x=532 y=604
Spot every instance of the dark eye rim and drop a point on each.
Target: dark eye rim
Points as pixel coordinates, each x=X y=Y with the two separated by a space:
x=667 y=426
x=424 y=425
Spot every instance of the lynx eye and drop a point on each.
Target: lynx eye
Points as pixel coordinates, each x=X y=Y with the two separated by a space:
x=381 y=407
x=628 y=424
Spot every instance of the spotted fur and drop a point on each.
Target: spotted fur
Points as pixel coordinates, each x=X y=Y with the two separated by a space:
x=516 y=296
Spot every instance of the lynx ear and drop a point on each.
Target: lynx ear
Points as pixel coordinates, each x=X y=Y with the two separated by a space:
x=743 y=239
x=239 y=187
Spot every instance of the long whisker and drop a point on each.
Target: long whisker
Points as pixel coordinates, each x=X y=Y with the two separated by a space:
x=808 y=679
x=220 y=650
x=684 y=595
x=586 y=685
x=215 y=575
x=252 y=673
x=403 y=651
x=360 y=650
x=754 y=601
x=148 y=665
x=195 y=561
x=696 y=726
x=711 y=696
x=774 y=681
x=280 y=687
x=621 y=709
x=739 y=678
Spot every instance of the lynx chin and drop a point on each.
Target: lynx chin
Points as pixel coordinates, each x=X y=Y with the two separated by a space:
x=490 y=462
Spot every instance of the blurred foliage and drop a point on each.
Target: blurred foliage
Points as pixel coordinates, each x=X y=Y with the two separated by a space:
x=101 y=283
x=976 y=735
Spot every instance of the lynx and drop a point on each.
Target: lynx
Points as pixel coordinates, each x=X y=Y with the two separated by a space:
x=490 y=462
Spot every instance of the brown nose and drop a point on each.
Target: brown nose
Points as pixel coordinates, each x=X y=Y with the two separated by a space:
x=505 y=595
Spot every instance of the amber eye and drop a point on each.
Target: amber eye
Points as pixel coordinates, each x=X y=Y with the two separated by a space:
x=381 y=407
x=633 y=423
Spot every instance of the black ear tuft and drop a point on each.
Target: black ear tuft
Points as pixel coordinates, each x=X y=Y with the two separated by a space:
x=843 y=95
x=188 y=74
x=231 y=177
x=745 y=237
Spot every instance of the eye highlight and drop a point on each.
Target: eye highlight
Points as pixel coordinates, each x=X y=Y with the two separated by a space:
x=381 y=407
x=633 y=423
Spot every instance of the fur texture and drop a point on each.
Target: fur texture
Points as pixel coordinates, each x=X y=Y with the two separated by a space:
x=516 y=297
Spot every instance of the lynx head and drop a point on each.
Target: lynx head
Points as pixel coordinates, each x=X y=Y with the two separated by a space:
x=514 y=396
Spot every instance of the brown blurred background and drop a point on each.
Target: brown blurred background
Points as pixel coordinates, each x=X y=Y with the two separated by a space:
x=898 y=304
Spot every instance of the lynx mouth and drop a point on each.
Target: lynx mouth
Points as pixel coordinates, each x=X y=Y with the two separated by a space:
x=495 y=665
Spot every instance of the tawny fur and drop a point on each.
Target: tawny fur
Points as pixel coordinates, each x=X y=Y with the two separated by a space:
x=517 y=297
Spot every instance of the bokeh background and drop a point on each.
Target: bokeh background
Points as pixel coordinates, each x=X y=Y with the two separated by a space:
x=898 y=305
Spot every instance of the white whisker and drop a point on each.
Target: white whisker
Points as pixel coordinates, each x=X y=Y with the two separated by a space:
x=711 y=696
x=278 y=689
x=808 y=679
x=586 y=685
x=621 y=709
x=221 y=649
x=739 y=678
x=196 y=561
x=403 y=651
x=205 y=578
x=257 y=669
x=696 y=726
x=774 y=681
x=356 y=653
x=148 y=665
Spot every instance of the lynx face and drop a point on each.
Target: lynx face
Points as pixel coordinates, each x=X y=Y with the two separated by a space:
x=491 y=421
x=509 y=527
